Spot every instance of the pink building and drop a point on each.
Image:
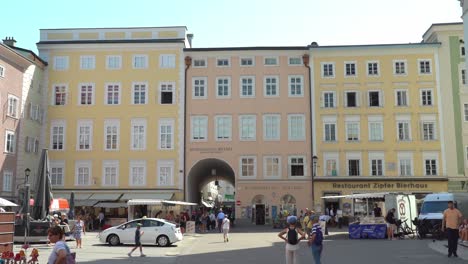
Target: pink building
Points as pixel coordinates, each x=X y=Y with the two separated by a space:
x=248 y=123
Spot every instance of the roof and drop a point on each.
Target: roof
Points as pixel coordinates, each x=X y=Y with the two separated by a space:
x=441 y=24
x=30 y=52
x=24 y=59
x=181 y=40
x=402 y=45
x=110 y=28
x=248 y=48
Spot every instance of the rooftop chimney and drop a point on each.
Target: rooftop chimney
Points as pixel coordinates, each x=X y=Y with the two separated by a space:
x=9 y=41
x=189 y=38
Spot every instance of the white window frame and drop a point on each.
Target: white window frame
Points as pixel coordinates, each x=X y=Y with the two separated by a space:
x=345 y=99
x=296 y=134
x=110 y=64
x=86 y=92
x=57 y=164
x=139 y=56
x=406 y=92
x=200 y=123
x=137 y=164
x=205 y=62
x=373 y=74
x=329 y=120
x=252 y=59
x=378 y=120
x=84 y=123
x=112 y=123
x=111 y=164
x=430 y=156
x=429 y=93
x=353 y=156
x=355 y=69
x=266 y=165
x=54 y=94
x=405 y=156
x=223 y=59
x=143 y=87
x=376 y=155
x=276 y=85
x=87 y=62
x=7 y=180
x=276 y=58
x=228 y=84
x=420 y=69
x=251 y=130
x=166 y=122
x=241 y=84
x=13 y=106
x=61 y=63
x=10 y=142
x=2 y=71
x=429 y=136
x=403 y=119
x=347 y=127
x=328 y=73
x=325 y=101
x=241 y=176
x=58 y=123
x=204 y=86
x=84 y=164
x=331 y=156
x=106 y=93
x=405 y=66
x=138 y=142
x=290 y=85
x=227 y=118
x=165 y=164
x=381 y=98
x=266 y=127
x=295 y=58
x=165 y=87
x=290 y=164
x=167 y=61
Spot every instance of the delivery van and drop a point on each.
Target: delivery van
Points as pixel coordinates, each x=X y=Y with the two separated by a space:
x=435 y=204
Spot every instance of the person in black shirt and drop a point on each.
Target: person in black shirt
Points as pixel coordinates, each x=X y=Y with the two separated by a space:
x=391 y=223
x=377 y=211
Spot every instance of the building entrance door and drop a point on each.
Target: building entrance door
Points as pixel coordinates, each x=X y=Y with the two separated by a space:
x=260 y=214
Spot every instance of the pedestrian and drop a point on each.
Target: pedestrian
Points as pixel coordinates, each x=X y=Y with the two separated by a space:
x=61 y=252
x=101 y=217
x=316 y=239
x=391 y=223
x=220 y=218
x=291 y=236
x=463 y=231
x=305 y=223
x=138 y=234
x=226 y=226
x=377 y=210
x=451 y=221
x=78 y=231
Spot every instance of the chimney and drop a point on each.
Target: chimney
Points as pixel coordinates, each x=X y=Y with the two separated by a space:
x=9 y=41
x=189 y=38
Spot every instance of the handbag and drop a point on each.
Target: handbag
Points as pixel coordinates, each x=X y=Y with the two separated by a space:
x=71 y=256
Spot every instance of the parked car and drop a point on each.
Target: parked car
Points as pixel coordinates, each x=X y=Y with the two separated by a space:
x=156 y=231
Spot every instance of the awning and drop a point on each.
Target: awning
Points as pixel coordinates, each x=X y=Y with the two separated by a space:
x=357 y=196
x=86 y=202
x=105 y=196
x=178 y=203
x=111 y=205
x=147 y=196
x=207 y=204
x=5 y=202
x=144 y=202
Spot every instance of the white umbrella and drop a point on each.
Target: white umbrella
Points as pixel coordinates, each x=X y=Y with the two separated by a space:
x=5 y=202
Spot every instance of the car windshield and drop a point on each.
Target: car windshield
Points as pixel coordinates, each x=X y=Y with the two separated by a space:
x=433 y=207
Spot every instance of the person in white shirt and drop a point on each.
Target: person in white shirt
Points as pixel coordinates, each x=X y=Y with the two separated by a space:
x=226 y=225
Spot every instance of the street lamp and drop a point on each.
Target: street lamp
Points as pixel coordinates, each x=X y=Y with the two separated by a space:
x=314 y=173
x=27 y=171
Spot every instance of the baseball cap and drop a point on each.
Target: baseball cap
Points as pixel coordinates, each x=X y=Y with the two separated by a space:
x=291 y=219
x=55 y=215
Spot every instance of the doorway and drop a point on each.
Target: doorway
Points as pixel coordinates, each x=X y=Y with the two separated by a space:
x=259 y=214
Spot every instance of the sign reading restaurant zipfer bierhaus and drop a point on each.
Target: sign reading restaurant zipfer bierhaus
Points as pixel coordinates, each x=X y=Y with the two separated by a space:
x=381 y=185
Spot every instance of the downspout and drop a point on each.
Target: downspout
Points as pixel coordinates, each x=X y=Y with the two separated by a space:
x=188 y=62
x=306 y=61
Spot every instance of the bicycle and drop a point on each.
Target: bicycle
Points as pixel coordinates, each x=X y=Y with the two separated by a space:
x=403 y=229
x=425 y=227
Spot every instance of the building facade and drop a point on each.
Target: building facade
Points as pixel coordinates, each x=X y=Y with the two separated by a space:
x=115 y=113
x=248 y=123
x=377 y=122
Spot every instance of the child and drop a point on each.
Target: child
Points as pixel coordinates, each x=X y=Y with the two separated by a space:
x=226 y=225
x=463 y=231
x=291 y=239
x=138 y=235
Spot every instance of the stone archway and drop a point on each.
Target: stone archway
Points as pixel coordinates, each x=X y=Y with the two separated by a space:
x=205 y=171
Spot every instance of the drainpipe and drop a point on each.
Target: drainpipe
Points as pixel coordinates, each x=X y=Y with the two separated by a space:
x=188 y=62
x=306 y=62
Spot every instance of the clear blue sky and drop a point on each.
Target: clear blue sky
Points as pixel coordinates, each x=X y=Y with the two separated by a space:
x=221 y=23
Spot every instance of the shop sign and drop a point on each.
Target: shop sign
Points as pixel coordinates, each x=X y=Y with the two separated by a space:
x=211 y=149
x=267 y=188
x=380 y=186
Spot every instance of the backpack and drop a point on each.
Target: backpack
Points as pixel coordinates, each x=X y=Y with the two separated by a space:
x=292 y=236
x=71 y=256
x=318 y=237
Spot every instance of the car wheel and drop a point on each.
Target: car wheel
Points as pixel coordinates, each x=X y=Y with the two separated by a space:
x=113 y=240
x=163 y=241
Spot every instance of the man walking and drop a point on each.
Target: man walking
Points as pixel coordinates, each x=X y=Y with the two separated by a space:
x=138 y=234
x=226 y=226
x=220 y=220
x=452 y=220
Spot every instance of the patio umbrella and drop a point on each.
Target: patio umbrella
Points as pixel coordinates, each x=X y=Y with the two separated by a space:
x=59 y=204
x=5 y=202
x=71 y=214
x=43 y=189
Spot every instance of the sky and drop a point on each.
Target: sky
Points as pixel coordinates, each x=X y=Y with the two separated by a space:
x=235 y=23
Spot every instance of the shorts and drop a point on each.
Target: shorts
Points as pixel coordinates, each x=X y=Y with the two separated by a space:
x=226 y=231
x=137 y=243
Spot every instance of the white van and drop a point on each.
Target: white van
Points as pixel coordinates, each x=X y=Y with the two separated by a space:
x=435 y=204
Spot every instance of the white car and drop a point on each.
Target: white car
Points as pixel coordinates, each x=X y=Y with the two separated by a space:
x=156 y=231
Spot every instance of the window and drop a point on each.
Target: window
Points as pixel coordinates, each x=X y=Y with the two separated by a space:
x=296 y=127
x=84 y=134
x=247 y=127
x=331 y=166
x=60 y=94
x=329 y=132
x=352 y=131
x=34 y=111
x=271 y=86
x=110 y=173
x=199 y=127
x=36 y=145
x=57 y=134
x=271 y=127
x=10 y=142
x=2 y=71
x=199 y=88
x=463 y=76
x=329 y=99
x=403 y=130
x=166 y=134
x=223 y=127
x=87 y=62
x=247 y=86
x=247 y=62
x=430 y=167
x=376 y=167
x=424 y=66
x=465 y=112
x=375 y=99
x=297 y=166
x=401 y=97
x=354 y=167
x=351 y=99
x=271 y=61
x=57 y=172
x=399 y=68
x=373 y=68
x=113 y=62
x=86 y=94
x=328 y=70
x=29 y=143
x=295 y=61
x=248 y=167
x=462 y=50
x=350 y=69
x=428 y=130
x=165 y=173
x=405 y=167
x=199 y=63
x=13 y=105
x=272 y=167
x=111 y=134
x=60 y=63
x=426 y=97
x=140 y=61
x=139 y=93
x=295 y=86
x=112 y=94
x=223 y=87
x=138 y=134
x=7 y=180
x=167 y=61
x=222 y=62
x=137 y=173
x=83 y=171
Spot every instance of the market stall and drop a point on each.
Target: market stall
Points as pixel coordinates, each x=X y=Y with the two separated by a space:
x=138 y=208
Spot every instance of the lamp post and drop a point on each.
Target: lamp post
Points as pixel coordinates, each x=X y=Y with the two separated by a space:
x=314 y=173
x=27 y=171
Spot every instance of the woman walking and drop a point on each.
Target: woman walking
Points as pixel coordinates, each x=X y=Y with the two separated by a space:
x=79 y=231
x=61 y=252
